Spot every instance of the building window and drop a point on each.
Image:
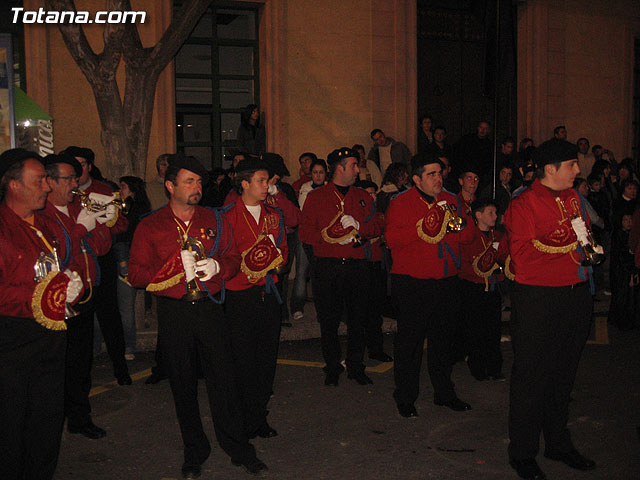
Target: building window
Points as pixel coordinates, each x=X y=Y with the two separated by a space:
x=635 y=149
x=216 y=76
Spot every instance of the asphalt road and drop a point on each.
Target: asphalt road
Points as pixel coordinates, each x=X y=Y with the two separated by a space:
x=354 y=432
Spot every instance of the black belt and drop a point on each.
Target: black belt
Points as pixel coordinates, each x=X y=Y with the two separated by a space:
x=341 y=261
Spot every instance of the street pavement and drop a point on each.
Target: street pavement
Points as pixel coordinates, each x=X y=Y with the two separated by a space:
x=354 y=432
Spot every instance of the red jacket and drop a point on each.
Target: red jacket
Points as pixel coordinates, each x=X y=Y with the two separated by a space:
x=155 y=262
x=97 y=186
x=246 y=232
x=412 y=254
x=479 y=249
x=320 y=209
x=542 y=243
x=20 y=248
x=98 y=240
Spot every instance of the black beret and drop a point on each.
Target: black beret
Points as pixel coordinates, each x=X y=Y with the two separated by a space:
x=468 y=166
x=340 y=154
x=81 y=152
x=364 y=184
x=179 y=161
x=251 y=164
x=554 y=151
x=10 y=157
x=275 y=164
x=422 y=159
x=64 y=157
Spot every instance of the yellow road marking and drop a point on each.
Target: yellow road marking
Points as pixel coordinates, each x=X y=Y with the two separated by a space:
x=601 y=332
x=601 y=338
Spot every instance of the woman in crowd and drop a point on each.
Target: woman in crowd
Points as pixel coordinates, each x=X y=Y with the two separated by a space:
x=425 y=133
x=137 y=203
x=252 y=137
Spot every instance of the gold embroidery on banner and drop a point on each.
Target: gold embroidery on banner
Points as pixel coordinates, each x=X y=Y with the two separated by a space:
x=538 y=245
x=170 y=282
x=507 y=269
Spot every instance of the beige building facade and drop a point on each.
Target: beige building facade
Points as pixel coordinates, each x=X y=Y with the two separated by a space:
x=330 y=71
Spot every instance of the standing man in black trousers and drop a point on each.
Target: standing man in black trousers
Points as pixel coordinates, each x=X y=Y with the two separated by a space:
x=337 y=219
x=191 y=323
x=552 y=304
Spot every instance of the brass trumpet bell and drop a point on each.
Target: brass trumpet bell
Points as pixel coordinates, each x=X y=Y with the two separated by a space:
x=92 y=205
x=455 y=223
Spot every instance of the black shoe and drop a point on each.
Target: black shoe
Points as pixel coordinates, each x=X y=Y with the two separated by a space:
x=573 y=458
x=190 y=470
x=528 y=469
x=264 y=431
x=332 y=375
x=255 y=466
x=360 y=377
x=407 y=410
x=454 y=404
x=89 y=430
x=155 y=378
x=125 y=380
x=497 y=377
x=380 y=356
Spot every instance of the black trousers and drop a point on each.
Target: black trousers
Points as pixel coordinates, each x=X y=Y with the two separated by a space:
x=31 y=398
x=105 y=297
x=425 y=308
x=482 y=328
x=254 y=324
x=548 y=334
x=376 y=304
x=78 y=362
x=199 y=331
x=341 y=286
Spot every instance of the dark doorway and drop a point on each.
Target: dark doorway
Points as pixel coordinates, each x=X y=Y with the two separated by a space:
x=452 y=65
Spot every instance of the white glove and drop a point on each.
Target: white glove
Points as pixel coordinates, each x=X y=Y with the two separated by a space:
x=272 y=189
x=209 y=267
x=599 y=249
x=107 y=215
x=581 y=230
x=87 y=219
x=189 y=263
x=345 y=242
x=348 y=221
x=273 y=240
x=74 y=287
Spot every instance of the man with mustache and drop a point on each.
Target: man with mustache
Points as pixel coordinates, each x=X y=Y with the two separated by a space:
x=426 y=259
x=192 y=328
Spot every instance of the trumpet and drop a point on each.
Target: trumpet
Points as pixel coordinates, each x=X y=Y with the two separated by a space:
x=592 y=257
x=456 y=223
x=93 y=205
x=43 y=266
x=194 y=292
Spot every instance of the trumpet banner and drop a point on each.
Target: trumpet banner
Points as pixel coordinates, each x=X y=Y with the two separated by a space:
x=336 y=233
x=433 y=226
x=48 y=301
x=260 y=258
x=169 y=275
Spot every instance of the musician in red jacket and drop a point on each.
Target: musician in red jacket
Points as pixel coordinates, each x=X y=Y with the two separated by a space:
x=424 y=227
x=89 y=238
x=32 y=320
x=481 y=273
x=337 y=219
x=184 y=253
x=253 y=302
x=552 y=308
x=105 y=294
